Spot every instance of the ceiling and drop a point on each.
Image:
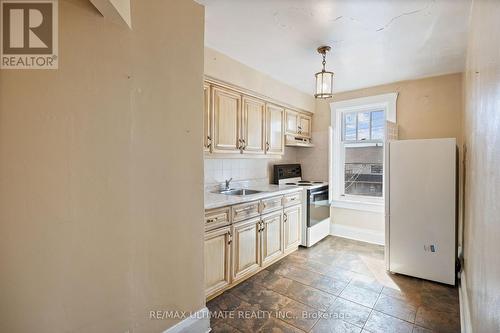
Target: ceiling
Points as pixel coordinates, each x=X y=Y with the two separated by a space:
x=374 y=41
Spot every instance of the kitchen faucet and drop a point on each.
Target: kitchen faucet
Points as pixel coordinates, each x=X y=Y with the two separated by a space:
x=228 y=181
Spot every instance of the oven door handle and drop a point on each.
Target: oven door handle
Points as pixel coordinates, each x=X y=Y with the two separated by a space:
x=317 y=193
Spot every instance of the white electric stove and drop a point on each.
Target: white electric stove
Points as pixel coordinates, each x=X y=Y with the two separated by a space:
x=315 y=203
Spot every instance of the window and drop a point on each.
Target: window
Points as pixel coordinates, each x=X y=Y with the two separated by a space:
x=357 y=157
x=363 y=153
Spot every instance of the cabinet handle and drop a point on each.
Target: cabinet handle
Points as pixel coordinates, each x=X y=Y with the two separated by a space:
x=229 y=238
x=267 y=145
x=285 y=217
x=209 y=141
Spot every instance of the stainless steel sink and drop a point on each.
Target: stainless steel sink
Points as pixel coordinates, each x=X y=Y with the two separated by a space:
x=240 y=191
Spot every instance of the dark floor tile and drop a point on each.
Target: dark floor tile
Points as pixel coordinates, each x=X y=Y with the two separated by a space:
x=223 y=328
x=253 y=293
x=366 y=282
x=382 y=323
x=439 y=321
x=295 y=290
x=360 y=295
x=396 y=308
x=225 y=302
x=310 y=296
x=349 y=311
x=278 y=326
x=332 y=325
x=440 y=297
x=418 y=329
x=328 y=284
x=299 y=315
x=297 y=287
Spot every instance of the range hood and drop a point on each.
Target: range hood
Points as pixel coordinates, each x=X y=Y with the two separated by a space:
x=296 y=141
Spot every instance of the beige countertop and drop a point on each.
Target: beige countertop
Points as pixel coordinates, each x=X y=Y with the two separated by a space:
x=215 y=200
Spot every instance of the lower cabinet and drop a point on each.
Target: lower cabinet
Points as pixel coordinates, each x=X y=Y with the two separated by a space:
x=217 y=260
x=272 y=237
x=249 y=243
x=246 y=247
x=292 y=221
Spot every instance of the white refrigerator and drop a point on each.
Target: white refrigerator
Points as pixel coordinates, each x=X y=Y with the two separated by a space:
x=421 y=178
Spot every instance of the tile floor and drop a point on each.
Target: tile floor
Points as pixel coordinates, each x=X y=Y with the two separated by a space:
x=339 y=285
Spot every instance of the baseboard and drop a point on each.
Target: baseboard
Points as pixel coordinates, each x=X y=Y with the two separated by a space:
x=199 y=322
x=359 y=234
x=465 y=319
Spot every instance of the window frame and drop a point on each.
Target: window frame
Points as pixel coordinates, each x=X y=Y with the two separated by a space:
x=385 y=103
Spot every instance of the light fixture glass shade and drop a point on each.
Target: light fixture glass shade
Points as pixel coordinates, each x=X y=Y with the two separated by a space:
x=324 y=84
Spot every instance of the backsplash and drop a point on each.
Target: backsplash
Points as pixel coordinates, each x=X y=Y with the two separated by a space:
x=218 y=170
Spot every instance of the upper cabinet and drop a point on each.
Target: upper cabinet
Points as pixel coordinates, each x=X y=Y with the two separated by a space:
x=253 y=125
x=227 y=120
x=275 y=143
x=239 y=122
x=298 y=124
x=292 y=122
x=207 y=119
x=304 y=128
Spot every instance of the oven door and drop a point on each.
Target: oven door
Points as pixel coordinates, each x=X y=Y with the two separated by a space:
x=318 y=206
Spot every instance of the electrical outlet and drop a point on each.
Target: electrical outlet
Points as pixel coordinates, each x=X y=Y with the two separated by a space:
x=430 y=248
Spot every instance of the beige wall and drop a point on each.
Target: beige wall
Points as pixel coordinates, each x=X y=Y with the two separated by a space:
x=426 y=108
x=222 y=67
x=482 y=191
x=99 y=223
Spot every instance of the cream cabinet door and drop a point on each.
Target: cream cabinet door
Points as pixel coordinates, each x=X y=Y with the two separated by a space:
x=304 y=127
x=253 y=125
x=217 y=260
x=227 y=120
x=275 y=143
x=292 y=122
x=246 y=247
x=272 y=237
x=292 y=218
x=207 y=121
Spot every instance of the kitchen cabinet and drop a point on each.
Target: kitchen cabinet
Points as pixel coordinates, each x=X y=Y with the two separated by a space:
x=275 y=143
x=253 y=125
x=207 y=119
x=246 y=247
x=227 y=120
x=304 y=127
x=242 y=239
x=292 y=225
x=272 y=237
x=217 y=260
x=239 y=121
x=292 y=122
x=298 y=124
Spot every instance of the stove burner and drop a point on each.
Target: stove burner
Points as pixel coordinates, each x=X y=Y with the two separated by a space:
x=303 y=181
x=290 y=184
x=317 y=182
x=304 y=184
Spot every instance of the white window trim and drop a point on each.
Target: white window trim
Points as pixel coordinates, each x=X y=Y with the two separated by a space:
x=386 y=102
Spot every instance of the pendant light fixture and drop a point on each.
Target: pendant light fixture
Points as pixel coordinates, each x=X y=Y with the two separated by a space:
x=324 y=79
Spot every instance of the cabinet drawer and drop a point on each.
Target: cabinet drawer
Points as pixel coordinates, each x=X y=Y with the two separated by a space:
x=291 y=199
x=271 y=204
x=245 y=211
x=216 y=218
